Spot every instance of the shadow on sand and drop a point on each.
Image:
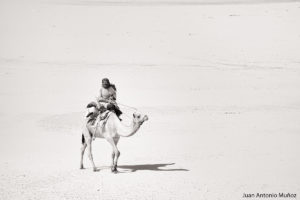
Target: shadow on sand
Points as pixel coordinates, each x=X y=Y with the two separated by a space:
x=150 y=167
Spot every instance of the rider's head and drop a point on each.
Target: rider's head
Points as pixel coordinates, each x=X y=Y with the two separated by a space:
x=105 y=83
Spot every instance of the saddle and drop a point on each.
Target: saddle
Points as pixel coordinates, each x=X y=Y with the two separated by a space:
x=92 y=117
x=102 y=107
x=96 y=118
x=97 y=121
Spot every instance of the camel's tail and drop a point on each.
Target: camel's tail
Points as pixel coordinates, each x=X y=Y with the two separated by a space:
x=82 y=139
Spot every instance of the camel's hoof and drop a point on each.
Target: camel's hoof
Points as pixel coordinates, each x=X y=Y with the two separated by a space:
x=114 y=169
x=96 y=170
x=81 y=167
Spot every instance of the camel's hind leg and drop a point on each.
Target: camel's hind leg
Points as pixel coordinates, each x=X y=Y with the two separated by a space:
x=83 y=147
x=89 y=146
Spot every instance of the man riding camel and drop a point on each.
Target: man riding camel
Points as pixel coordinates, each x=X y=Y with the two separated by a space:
x=108 y=97
x=106 y=101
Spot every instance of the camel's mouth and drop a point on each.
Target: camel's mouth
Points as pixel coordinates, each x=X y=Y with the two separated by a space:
x=146 y=118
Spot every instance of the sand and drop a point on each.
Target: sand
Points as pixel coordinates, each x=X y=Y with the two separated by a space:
x=220 y=83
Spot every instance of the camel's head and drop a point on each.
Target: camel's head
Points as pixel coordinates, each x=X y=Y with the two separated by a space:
x=139 y=118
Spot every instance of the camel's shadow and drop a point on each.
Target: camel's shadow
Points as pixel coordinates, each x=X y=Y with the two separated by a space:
x=150 y=167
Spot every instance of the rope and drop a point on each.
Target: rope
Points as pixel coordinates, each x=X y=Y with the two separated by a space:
x=133 y=108
x=127 y=116
x=118 y=103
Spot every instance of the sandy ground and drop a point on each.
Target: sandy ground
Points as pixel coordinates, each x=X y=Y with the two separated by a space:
x=229 y=75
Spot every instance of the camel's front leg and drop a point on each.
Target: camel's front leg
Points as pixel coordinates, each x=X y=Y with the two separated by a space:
x=112 y=158
x=89 y=146
x=114 y=168
x=115 y=154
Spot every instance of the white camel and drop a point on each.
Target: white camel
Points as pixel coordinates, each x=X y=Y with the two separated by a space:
x=111 y=131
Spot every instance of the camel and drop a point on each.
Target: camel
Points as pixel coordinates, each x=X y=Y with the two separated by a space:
x=112 y=130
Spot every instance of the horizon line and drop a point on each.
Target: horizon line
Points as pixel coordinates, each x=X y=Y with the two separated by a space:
x=167 y=2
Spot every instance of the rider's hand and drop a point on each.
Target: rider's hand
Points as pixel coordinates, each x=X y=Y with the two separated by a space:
x=111 y=100
x=102 y=100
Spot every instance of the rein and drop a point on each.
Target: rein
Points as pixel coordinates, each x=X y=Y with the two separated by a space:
x=133 y=108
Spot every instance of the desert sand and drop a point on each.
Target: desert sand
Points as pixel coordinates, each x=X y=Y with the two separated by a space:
x=219 y=81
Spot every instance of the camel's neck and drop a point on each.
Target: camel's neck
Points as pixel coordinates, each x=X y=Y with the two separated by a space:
x=126 y=131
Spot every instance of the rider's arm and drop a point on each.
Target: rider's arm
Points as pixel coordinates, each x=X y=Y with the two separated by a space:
x=114 y=95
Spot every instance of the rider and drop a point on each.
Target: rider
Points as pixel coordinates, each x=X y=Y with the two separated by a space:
x=108 y=96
